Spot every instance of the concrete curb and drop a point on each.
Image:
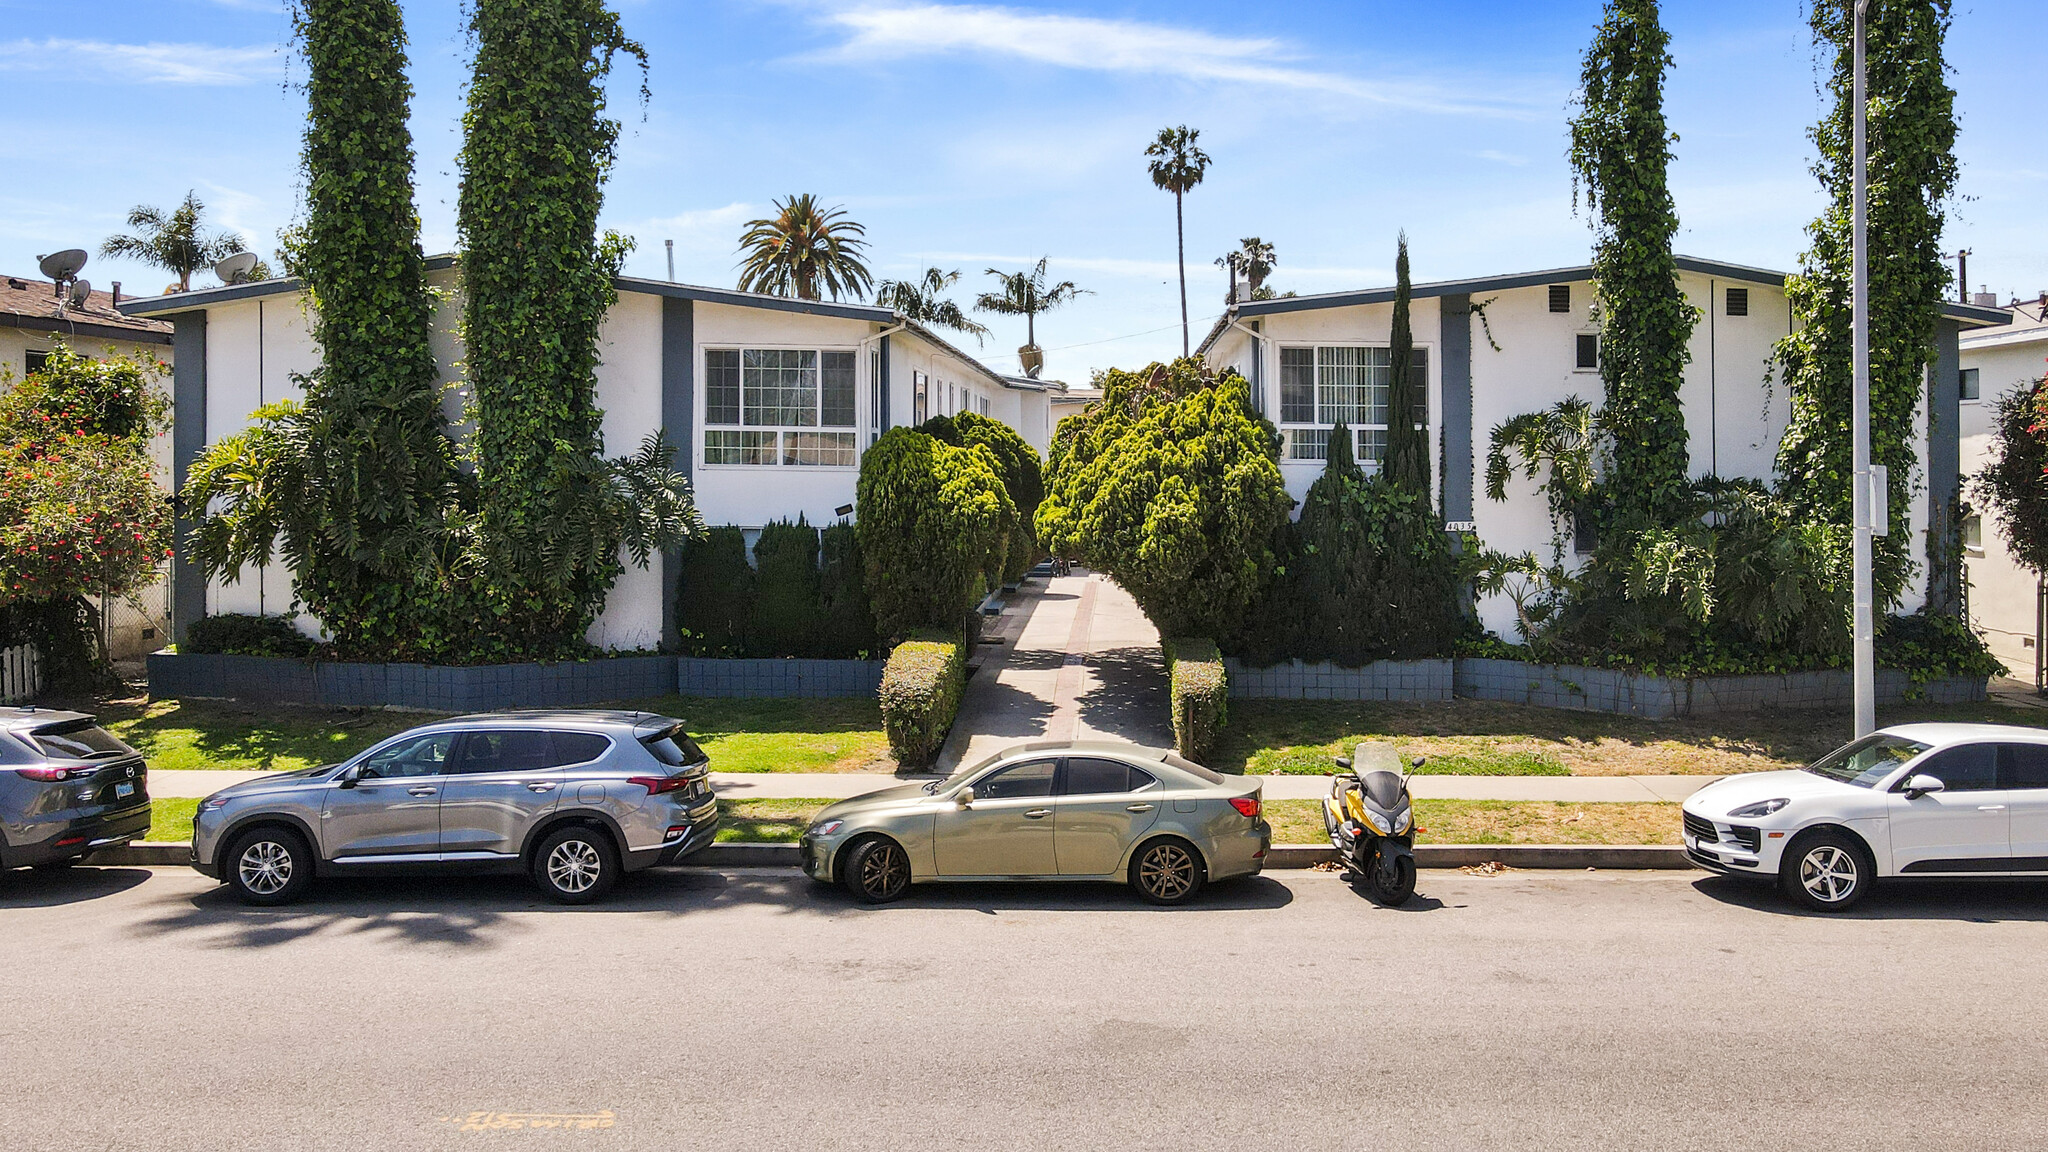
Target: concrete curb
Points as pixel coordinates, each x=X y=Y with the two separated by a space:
x=165 y=854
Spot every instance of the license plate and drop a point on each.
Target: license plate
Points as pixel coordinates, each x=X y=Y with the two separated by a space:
x=123 y=791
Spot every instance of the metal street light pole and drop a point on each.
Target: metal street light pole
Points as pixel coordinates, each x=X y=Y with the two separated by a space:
x=1862 y=629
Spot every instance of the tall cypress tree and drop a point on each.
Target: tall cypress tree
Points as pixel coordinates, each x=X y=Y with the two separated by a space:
x=1911 y=130
x=1620 y=149
x=1407 y=460
x=537 y=281
x=378 y=465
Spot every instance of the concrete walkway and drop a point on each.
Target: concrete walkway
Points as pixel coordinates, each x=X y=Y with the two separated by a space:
x=838 y=785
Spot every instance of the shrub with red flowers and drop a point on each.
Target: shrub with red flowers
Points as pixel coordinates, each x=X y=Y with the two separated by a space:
x=81 y=513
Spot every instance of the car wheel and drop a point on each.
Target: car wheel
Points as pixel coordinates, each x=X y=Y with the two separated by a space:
x=1166 y=872
x=576 y=865
x=1826 y=872
x=268 y=866
x=878 y=871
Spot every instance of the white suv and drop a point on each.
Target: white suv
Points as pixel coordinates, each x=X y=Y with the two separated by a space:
x=1931 y=800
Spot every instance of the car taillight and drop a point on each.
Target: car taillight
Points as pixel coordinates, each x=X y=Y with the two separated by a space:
x=1246 y=805
x=656 y=785
x=53 y=774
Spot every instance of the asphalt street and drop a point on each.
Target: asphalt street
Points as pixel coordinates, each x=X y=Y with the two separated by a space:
x=747 y=1009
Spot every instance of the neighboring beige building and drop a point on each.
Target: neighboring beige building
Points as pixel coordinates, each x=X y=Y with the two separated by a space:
x=32 y=324
x=2003 y=595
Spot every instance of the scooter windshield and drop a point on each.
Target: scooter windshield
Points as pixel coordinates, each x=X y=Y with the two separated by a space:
x=1383 y=790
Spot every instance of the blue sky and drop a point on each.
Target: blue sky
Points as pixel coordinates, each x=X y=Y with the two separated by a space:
x=969 y=136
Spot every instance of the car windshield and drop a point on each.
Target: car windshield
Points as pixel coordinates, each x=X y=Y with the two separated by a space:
x=1867 y=761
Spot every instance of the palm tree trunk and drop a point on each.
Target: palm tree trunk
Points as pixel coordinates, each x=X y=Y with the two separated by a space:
x=1180 y=247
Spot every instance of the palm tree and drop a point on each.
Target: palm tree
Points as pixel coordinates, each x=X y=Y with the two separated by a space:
x=803 y=248
x=1177 y=166
x=1253 y=259
x=175 y=243
x=920 y=300
x=1026 y=294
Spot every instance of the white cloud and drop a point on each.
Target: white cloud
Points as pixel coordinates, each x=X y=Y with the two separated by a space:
x=884 y=32
x=1499 y=157
x=154 y=63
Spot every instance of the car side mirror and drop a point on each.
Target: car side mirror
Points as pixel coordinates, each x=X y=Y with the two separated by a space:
x=964 y=797
x=348 y=779
x=1921 y=784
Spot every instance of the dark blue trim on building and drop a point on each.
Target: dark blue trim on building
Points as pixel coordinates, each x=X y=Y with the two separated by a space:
x=188 y=441
x=1944 y=472
x=678 y=424
x=885 y=421
x=739 y=299
x=1455 y=339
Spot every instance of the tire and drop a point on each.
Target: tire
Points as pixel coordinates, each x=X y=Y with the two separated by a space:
x=1826 y=872
x=1167 y=872
x=576 y=865
x=877 y=871
x=268 y=866
x=1390 y=880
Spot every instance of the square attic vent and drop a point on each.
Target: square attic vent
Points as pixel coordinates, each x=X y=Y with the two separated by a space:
x=1560 y=297
x=1738 y=301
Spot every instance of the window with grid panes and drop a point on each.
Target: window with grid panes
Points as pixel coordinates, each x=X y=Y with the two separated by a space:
x=780 y=406
x=1328 y=384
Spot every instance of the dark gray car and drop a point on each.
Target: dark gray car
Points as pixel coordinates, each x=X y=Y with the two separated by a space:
x=572 y=798
x=67 y=787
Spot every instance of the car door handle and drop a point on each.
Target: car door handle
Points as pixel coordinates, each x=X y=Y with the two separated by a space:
x=419 y=790
x=540 y=786
x=1038 y=814
x=1137 y=807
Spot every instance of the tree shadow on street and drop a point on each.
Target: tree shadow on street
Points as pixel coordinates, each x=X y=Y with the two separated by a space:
x=52 y=888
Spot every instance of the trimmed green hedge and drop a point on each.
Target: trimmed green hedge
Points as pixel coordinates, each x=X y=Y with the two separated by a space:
x=921 y=688
x=1200 y=692
x=238 y=635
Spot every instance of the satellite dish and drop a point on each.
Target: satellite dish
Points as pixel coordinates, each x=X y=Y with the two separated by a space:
x=62 y=266
x=81 y=291
x=235 y=269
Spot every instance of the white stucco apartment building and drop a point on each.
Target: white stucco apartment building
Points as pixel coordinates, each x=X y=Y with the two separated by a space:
x=769 y=401
x=2003 y=595
x=1494 y=347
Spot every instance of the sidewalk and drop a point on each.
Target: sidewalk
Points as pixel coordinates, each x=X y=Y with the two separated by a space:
x=838 y=785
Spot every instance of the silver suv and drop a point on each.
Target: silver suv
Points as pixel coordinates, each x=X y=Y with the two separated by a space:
x=573 y=798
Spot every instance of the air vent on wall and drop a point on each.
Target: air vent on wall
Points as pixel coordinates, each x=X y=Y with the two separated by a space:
x=1738 y=301
x=1560 y=297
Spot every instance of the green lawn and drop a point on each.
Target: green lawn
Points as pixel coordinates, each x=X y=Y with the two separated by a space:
x=738 y=735
x=1500 y=822
x=1480 y=737
x=766 y=821
x=171 y=819
x=839 y=735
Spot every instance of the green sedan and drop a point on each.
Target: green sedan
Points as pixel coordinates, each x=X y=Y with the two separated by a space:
x=1066 y=811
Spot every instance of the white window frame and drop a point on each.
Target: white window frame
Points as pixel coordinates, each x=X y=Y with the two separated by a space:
x=1369 y=441
x=782 y=440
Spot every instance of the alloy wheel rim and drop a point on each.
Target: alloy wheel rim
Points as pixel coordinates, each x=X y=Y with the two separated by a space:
x=265 y=867
x=1167 y=872
x=574 y=866
x=882 y=871
x=1828 y=873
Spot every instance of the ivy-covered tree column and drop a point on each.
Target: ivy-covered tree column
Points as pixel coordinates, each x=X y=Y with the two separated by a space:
x=1911 y=130
x=368 y=560
x=1620 y=150
x=1407 y=460
x=537 y=281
